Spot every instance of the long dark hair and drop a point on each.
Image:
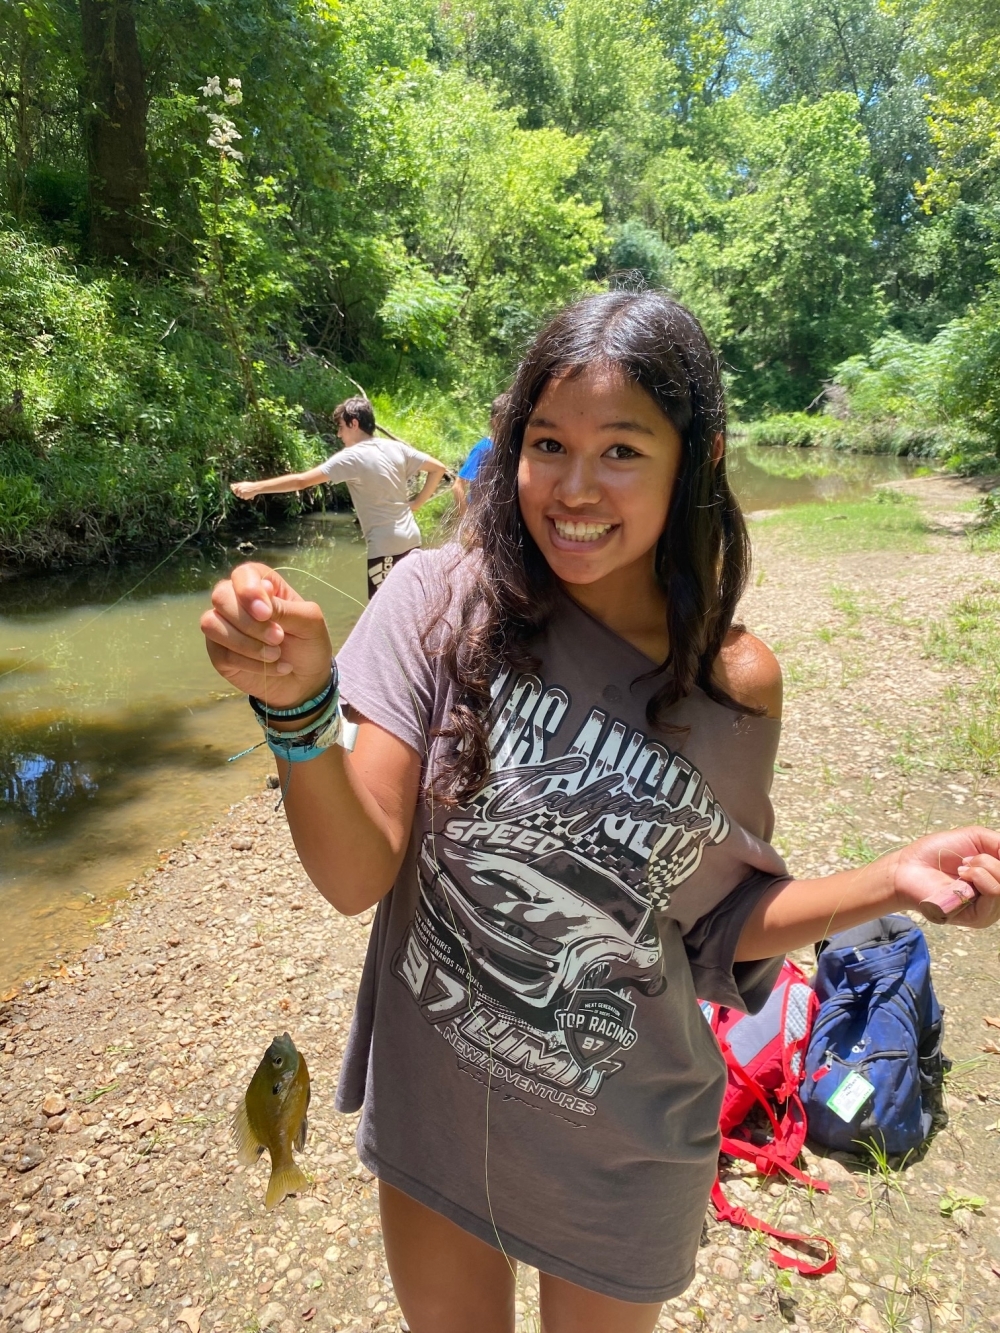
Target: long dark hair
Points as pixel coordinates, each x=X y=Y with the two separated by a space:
x=703 y=554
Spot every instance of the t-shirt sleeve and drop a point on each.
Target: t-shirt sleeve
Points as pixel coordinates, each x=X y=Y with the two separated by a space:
x=711 y=949
x=339 y=467
x=386 y=673
x=415 y=460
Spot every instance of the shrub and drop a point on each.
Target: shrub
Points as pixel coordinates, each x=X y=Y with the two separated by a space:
x=121 y=415
x=795 y=430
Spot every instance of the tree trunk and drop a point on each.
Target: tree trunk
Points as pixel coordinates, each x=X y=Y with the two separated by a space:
x=114 y=123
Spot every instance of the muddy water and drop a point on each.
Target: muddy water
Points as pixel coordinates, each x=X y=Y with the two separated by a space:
x=773 y=478
x=115 y=732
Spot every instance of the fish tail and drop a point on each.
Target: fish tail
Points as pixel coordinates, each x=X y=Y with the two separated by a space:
x=248 y=1146
x=286 y=1178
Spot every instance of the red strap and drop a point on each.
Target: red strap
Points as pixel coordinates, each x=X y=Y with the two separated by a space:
x=769 y=1161
x=736 y=1068
x=727 y=1212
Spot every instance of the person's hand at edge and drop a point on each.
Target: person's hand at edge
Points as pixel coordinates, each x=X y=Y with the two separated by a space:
x=266 y=640
x=971 y=855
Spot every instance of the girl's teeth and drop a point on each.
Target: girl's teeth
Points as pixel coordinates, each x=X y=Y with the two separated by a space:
x=581 y=532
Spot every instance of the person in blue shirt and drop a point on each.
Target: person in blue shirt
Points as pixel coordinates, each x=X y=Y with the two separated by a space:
x=469 y=470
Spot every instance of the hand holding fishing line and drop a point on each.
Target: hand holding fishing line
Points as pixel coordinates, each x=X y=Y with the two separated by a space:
x=264 y=638
x=969 y=893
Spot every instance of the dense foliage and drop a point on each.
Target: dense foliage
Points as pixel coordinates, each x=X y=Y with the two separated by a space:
x=217 y=218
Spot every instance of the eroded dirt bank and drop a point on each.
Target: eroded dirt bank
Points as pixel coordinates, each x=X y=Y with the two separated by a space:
x=121 y=1206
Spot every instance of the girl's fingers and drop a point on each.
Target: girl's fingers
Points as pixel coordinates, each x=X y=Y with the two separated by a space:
x=220 y=631
x=227 y=606
x=983 y=873
x=299 y=619
x=248 y=676
x=248 y=583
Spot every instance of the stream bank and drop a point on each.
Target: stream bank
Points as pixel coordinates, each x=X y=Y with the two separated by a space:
x=115 y=732
x=123 y=1207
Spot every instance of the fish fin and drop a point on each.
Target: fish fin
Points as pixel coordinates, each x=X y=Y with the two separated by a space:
x=285 y=1179
x=248 y=1146
x=300 y=1137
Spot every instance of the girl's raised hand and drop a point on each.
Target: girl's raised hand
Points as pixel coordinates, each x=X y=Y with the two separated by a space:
x=968 y=855
x=264 y=639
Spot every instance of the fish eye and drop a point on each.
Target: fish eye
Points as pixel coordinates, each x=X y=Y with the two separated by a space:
x=276 y=1061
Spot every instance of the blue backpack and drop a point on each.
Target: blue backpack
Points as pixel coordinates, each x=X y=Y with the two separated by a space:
x=874 y=1066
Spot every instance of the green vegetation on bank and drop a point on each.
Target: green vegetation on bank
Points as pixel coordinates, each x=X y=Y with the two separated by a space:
x=891 y=521
x=215 y=221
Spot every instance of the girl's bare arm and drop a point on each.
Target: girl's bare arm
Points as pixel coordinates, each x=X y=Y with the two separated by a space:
x=350 y=815
x=800 y=912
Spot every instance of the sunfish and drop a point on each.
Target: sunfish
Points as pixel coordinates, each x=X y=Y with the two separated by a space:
x=272 y=1115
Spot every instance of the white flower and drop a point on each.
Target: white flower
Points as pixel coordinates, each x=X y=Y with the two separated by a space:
x=213 y=88
x=235 y=96
x=224 y=134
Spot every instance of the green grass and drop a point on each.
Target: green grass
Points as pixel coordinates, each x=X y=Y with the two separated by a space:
x=855 y=526
x=969 y=637
x=856 y=849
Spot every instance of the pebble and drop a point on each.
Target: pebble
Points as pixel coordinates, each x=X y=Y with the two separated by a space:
x=271 y=1317
x=54 y=1104
x=726 y=1268
x=869 y=1318
x=29 y=1159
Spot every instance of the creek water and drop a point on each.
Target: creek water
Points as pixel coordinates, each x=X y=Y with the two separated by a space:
x=115 y=732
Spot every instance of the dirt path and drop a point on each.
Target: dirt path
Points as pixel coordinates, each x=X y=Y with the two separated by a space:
x=121 y=1206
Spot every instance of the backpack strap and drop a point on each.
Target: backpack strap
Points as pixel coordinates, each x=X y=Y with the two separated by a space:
x=769 y=1162
x=789 y=1133
x=748 y=1080
x=739 y=1217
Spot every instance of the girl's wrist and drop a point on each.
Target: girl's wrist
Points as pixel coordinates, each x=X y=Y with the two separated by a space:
x=897 y=901
x=293 y=716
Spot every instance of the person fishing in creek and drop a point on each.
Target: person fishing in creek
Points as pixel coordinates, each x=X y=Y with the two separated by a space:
x=377 y=473
x=559 y=800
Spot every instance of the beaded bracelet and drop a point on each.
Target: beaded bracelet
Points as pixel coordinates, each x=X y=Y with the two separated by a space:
x=324 y=729
x=319 y=721
x=264 y=710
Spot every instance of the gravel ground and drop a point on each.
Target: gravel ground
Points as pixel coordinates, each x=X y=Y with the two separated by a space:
x=121 y=1204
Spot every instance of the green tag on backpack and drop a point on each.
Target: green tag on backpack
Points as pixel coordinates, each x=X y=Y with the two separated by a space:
x=849 y=1098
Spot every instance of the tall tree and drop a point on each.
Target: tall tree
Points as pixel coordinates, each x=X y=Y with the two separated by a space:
x=114 y=120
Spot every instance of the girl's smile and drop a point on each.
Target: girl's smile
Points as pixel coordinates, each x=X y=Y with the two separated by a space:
x=597 y=470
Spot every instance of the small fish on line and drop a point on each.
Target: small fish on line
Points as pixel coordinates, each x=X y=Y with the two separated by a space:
x=272 y=1115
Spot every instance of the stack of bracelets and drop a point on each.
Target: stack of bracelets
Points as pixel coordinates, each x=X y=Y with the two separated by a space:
x=311 y=740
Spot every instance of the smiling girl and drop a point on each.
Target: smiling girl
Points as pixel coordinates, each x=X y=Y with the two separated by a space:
x=559 y=800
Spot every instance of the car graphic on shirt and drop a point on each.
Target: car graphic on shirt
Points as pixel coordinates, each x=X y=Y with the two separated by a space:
x=535 y=930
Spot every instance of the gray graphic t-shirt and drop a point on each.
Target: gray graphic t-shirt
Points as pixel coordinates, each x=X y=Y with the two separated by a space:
x=376 y=473
x=527 y=1014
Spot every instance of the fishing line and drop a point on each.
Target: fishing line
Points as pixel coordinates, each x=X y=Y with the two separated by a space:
x=472 y=1003
x=67 y=638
